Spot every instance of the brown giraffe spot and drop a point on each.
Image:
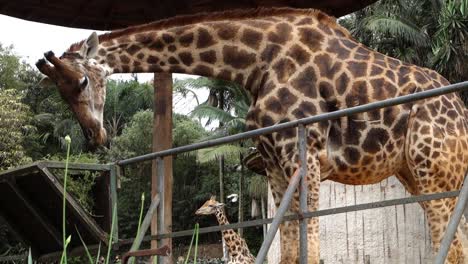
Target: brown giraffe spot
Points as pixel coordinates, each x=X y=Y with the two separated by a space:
x=252 y=38
x=176 y=69
x=305 y=82
x=144 y=39
x=349 y=44
x=352 y=155
x=393 y=63
x=340 y=164
x=357 y=69
x=186 y=58
x=390 y=75
x=374 y=114
x=375 y=140
x=204 y=39
x=376 y=70
x=140 y=55
x=131 y=50
x=239 y=78
x=399 y=129
x=173 y=60
x=334 y=46
x=158 y=45
x=327 y=68
x=227 y=31
x=298 y=54
x=341 y=83
x=273 y=105
x=390 y=113
x=124 y=59
x=168 y=38
x=253 y=76
x=237 y=58
x=282 y=33
x=383 y=89
x=267 y=121
x=353 y=131
x=358 y=96
x=125 y=69
x=325 y=28
x=203 y=70
x=172 y=48
x=287 y=98
x=208 y=56
x=270 y=52
x=308 y=108
x=311 y=38
x=420 y=77
x=152 y=59
x=305 y=21
x=224 y=75
x=284 y=68
x=186 y=39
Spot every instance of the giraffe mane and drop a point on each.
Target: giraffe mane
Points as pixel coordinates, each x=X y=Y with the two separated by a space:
x=238 y=14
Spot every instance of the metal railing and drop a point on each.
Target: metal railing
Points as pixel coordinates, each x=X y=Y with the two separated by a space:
x=299 y=178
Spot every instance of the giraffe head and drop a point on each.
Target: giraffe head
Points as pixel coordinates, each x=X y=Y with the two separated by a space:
x=81 y=82
x=209 y=207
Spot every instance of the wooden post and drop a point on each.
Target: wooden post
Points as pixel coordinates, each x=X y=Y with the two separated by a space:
x=162 y=139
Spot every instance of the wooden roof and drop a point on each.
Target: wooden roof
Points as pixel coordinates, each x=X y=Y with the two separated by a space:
x=112 y=14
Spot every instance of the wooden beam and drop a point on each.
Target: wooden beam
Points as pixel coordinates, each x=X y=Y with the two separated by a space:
x=162 y=139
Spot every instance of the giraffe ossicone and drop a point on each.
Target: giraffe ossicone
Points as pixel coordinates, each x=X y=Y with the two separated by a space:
x=294 y=63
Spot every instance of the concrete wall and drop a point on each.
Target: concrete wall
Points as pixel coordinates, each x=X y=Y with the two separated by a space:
x=397 y=234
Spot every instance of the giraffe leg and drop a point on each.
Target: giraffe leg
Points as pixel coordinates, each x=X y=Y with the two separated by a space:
x=290 y=230
x=436 y=161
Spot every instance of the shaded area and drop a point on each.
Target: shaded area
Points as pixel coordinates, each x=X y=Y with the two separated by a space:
x=31 y=204
x=107 y=15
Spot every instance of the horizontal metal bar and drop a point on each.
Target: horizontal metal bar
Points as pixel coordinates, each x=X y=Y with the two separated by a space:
x=75 y=166
x=338 y=210
x=14 y=258
x=304 y=121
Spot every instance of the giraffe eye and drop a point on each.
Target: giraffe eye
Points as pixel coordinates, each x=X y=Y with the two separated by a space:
x=84 y=82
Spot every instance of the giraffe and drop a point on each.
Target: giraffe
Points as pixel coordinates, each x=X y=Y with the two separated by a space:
x=238 y=250
x=294 y=63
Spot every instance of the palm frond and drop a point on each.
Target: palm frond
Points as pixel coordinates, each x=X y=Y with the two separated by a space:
x=210 y=112
x=398 y=27
x=211 y=154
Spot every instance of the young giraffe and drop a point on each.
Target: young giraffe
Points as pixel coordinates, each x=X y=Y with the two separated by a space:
x=238 y=250
x=294 y=63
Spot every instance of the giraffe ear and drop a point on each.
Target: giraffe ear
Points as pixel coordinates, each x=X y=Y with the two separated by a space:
x=90 y=46
x=220 y=205
x=213 y=197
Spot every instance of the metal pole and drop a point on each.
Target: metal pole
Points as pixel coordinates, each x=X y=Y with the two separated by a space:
x=453 y=224
x=303 y=195
x=144 y=226
x=305 y=121
x=160 y=167
x=288 y=195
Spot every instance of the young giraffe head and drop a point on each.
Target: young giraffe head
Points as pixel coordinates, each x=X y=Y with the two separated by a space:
x=81 y=82
x=209 y=207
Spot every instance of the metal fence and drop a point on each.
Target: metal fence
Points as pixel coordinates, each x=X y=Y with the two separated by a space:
x=299 y=178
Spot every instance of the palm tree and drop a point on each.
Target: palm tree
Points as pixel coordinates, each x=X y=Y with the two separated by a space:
x=429 y=33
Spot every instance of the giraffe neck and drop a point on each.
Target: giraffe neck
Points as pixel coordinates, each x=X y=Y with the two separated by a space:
x=208 y=49
x=229 y=235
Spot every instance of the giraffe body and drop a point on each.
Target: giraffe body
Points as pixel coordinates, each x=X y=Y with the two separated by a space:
x=294 y=63
x=238 y=250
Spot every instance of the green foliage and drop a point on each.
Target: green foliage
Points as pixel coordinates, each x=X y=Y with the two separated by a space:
x=14 y=118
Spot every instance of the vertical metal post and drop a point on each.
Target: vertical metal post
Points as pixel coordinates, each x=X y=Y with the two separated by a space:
x=114 y=201
x=303 y=194
x=284 y=205
x=453 y=224
x=144 y=226
x=160 y=168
